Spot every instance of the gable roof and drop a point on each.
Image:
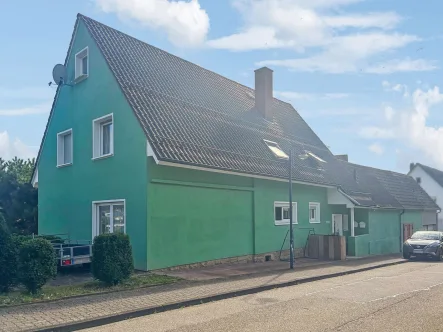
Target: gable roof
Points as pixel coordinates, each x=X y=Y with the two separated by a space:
x=195 y=117
x=434 y=173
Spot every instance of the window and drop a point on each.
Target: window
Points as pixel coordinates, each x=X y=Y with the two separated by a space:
x=276 y=150
x=314 y=212
x=64 y=148
x=109 y=217
x=434 y=198
x=82 y=64
x=418 y=180
x=103 y=137
x=282 y=213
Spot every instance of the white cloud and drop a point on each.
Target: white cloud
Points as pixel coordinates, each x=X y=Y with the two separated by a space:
x=405 y=65
x=35 y=93
x=410 y=127
x=10 y=149
x=38 y=109
x=377 y=132
x=376 y=148
x=401 y=88
x=185 y=22
x=389 y=113
x=291 y=95
x=342 y=42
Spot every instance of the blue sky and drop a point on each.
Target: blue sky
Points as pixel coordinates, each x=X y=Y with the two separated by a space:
x=365 y=75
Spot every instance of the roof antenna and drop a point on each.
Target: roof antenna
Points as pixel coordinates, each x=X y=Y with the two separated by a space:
x=59 y=75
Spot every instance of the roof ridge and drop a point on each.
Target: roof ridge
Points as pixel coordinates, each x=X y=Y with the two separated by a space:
x=79 y=15
x=433 y=168
x=260 y=126
x=373 y=168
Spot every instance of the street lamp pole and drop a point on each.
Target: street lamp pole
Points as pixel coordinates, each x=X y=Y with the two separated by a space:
x=291 y=229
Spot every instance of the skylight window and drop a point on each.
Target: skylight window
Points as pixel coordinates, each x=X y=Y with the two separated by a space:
x=276 y=150
x=315 y=157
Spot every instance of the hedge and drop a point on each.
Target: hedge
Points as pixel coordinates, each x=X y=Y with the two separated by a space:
x=37 y=264
x=112 y=260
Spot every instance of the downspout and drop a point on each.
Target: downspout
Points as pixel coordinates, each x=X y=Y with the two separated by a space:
x=401 y=230
x=436 y=218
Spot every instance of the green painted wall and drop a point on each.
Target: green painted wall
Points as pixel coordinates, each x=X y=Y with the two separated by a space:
x=384 y=232
x=66 y=194
x=358 y=245
x=197 y=216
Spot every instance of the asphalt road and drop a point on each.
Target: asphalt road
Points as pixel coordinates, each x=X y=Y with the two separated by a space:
x=405 y=297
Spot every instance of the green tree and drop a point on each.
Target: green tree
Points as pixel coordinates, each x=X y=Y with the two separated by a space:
x=18 y=199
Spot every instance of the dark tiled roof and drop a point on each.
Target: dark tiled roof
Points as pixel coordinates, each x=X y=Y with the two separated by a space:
x=434 y=173
x=194 y=116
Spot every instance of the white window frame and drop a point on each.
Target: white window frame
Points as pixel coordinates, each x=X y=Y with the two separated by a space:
x=97 y=136
x=95 y=217
x=61 y=148
x=316 y=206
x=276 y=150
x=79 y=76
x=286 y=221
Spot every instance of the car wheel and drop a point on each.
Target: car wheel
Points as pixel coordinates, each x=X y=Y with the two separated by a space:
x=439 y=255
x=406 y=255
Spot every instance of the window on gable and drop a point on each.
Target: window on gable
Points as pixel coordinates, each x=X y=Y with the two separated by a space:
x=314 y=212
x=418 y=179
x=276 y=150
x=82 y=64
x=64 y=148
x=282 y=213
x=103 y=136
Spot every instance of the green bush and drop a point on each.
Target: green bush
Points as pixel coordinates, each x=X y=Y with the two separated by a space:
x=36 y=264
x=8 y=258
x=112 y=258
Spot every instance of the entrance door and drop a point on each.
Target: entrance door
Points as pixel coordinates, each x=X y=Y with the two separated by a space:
x=337 y=224
x=407 y=231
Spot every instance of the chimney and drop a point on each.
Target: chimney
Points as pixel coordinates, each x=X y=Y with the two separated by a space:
x=264 y=98
x=342 y=157
x=411 y=166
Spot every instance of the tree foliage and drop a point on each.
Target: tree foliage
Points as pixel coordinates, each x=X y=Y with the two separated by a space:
x=18 y=199
x=8 y=258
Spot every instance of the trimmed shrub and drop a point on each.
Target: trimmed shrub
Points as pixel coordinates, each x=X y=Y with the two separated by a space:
x=36 y=264
x=8 y=258
x=112 y=258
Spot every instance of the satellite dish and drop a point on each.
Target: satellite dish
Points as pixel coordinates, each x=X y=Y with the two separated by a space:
x=60 y=74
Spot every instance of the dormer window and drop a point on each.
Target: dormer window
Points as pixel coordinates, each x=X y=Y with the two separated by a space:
x=82 y=64
x=276 y=150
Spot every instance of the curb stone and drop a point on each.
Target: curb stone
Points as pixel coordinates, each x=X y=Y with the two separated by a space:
x=187 y=303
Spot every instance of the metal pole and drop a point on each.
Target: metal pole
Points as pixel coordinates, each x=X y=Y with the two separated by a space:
x=291 y=231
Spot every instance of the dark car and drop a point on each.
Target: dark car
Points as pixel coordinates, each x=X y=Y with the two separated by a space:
x=424 y=244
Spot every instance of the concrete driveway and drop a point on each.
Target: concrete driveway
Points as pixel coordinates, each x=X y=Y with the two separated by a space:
x=406 y=297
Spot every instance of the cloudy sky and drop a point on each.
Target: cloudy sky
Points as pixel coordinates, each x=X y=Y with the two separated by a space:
x=365 y=75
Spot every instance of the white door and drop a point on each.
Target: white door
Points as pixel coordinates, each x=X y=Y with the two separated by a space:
x=337 y=224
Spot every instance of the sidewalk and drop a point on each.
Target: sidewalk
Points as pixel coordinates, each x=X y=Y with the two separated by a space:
x=76 y=313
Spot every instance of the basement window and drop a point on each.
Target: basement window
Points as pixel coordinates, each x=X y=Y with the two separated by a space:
x=82 y=64
x=282 y=213
x=314 y=212
x=276 y=150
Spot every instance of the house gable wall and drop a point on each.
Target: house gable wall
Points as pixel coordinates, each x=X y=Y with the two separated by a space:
x=66 y=194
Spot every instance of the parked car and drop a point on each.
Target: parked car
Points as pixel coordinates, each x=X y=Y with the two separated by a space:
x=424 y=244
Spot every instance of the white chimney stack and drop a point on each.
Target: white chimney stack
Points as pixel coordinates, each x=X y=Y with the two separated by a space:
x=264 y=97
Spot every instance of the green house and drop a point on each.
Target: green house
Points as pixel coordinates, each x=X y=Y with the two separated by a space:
x=194 y=166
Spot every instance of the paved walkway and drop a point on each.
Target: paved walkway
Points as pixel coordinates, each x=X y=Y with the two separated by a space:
x=70 y=311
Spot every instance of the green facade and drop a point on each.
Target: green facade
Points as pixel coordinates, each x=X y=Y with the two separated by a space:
x=66 y=193
x=175 y=215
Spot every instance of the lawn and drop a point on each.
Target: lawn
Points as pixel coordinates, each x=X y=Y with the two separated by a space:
x=50 y=293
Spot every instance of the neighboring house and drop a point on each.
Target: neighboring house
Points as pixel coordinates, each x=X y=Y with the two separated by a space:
x=193 y=166
x=431 y=180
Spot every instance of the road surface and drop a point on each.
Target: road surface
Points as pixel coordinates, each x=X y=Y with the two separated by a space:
x=405 y=297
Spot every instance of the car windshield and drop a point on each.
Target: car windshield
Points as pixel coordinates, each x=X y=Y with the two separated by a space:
x=426 y=236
